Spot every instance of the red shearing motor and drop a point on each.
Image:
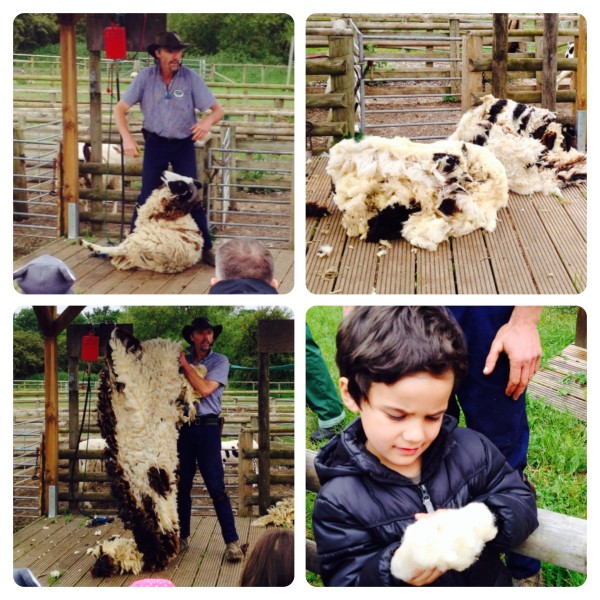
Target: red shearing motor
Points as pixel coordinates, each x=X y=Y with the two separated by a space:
x=115 y=42
x=90 y=347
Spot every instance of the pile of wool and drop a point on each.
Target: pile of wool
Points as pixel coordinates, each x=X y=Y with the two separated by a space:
x=448 y=539
x=425 y=193
x=538 y=152
x=280 y=515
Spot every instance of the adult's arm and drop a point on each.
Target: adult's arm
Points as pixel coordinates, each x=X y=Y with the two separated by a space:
x=520 y=341
x=130 y=146
x=205 y=387
x=202 y=127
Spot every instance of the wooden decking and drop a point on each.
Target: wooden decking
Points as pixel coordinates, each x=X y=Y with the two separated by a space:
x=539 y=247
x=61 y=544
x=97 y=275
x=563 y=382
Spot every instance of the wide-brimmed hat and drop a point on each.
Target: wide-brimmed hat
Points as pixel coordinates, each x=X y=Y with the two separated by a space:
x=166 y=39
x=199 y=324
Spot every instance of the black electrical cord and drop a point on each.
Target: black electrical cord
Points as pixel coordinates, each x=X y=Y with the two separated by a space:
x=85 y=407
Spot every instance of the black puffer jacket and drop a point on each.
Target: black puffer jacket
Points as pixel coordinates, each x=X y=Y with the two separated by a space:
x=363 y=508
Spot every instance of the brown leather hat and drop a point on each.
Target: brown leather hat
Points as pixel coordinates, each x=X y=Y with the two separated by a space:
x=199 y=324
x=166 y=39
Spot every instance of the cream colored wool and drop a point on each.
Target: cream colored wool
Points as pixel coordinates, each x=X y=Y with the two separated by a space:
x=376 y=173
x=446 y=540
x=157 y=243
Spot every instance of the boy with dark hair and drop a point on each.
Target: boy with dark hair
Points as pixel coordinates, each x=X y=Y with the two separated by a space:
x=404 y=455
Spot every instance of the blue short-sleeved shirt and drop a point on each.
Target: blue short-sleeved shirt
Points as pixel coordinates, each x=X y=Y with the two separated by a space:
x=169 y=111
x=217 y=366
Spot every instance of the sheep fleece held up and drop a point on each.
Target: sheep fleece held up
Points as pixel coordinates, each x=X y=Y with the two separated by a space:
x=142 y=399
x=363 y=508
x=425 y=193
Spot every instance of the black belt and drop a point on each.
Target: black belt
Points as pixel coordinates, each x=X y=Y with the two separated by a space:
x=207 y=421
x=154 y=136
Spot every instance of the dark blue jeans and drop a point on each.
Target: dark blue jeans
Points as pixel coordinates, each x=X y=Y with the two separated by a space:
x=159 y=153
x=486 y=407
x=201 y=445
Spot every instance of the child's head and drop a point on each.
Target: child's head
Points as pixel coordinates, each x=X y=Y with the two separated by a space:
x=271 y=562
x=382 y=344
x=398 y=367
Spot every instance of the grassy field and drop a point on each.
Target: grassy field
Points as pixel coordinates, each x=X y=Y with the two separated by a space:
x=558 y=470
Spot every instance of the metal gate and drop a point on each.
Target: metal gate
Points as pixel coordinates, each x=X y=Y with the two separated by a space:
x=35 y=181
x=413 y=104
x=250 y=194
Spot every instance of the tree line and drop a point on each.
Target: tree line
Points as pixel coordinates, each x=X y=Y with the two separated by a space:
x=247 y=37
x=238 y=340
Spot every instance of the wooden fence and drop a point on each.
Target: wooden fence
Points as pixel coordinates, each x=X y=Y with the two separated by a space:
x=560 y=540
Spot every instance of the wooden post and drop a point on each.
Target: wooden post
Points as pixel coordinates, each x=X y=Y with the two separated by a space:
x=70 y=182
x=549 y=70
x=454 y=25
x=273 y=336
x=95 y=76
x=19 y=177
x=499 y=55
x=264 y=440
x=340 y=46
x=471 y=81
x=581 y=85
x=51 y=416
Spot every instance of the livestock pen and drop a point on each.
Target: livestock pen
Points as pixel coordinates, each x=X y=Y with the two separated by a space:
x=246 y=167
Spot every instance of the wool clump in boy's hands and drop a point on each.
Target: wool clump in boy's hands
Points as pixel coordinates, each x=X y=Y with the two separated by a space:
x=446 y=539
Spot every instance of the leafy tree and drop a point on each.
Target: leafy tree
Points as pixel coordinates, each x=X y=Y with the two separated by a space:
x=31 y=31
x=252 y=37
x=28 y=354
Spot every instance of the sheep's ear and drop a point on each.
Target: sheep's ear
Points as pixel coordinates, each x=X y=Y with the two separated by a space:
x=348 y=400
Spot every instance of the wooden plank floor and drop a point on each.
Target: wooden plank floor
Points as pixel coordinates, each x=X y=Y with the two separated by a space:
x=539 y=247
x=97 y=275
x=61 y=544
x=558 y=383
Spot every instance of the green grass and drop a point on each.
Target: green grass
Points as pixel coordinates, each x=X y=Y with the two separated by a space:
x=558 y=443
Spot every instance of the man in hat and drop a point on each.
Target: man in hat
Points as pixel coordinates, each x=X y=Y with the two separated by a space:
x=169 y=94
x=200 y=441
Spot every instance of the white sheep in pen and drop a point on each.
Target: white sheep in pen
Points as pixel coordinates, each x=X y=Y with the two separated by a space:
x=111 y=155
x=425 y=193
x=538 y=153
x=448 y=539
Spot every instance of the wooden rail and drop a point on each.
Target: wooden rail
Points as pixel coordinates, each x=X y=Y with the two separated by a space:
x=560 y=540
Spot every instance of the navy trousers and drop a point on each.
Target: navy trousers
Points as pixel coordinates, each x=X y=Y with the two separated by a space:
x=486 y=407
x=201 y=445
x=159 y=153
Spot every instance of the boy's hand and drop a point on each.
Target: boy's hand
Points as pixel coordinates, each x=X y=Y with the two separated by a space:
x=424 y=577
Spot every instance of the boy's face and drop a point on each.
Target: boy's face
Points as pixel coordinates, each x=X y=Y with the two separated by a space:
x=402 y=419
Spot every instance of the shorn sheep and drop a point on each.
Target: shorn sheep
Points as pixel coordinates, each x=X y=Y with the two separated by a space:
x=538 y=153
x=166 y=238
x=448 y=539
x=143 y=399
x=395 y=188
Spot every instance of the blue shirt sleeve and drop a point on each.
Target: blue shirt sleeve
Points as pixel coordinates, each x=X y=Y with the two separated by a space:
x=218 y=369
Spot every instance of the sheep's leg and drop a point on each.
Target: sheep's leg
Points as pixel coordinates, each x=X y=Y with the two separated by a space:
x=109 y=251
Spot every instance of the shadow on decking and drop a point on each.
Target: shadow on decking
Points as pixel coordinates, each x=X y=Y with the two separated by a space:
x=98 y=276
x=539 y=247
x=61 y=545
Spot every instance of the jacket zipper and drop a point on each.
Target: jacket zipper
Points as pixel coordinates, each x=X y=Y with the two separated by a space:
x=426 y=498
